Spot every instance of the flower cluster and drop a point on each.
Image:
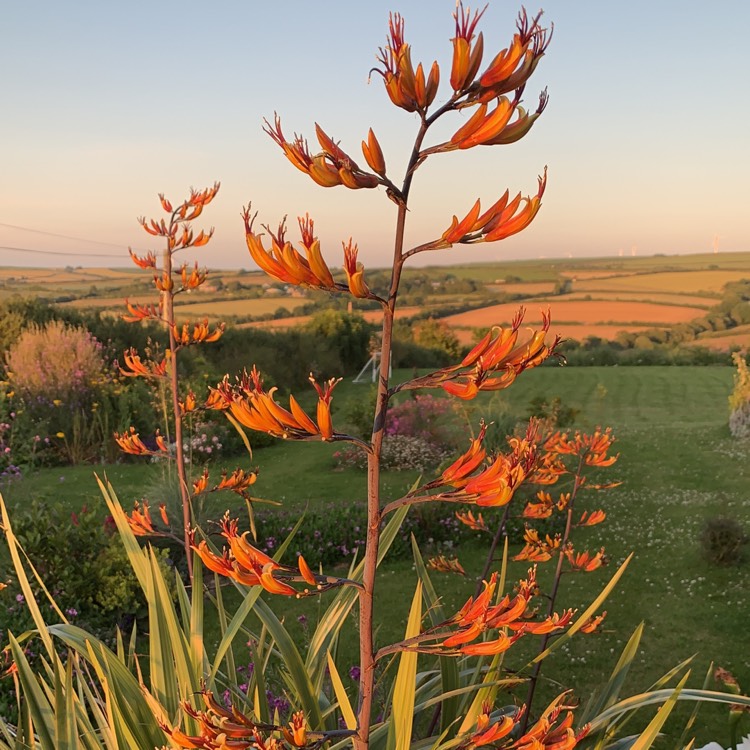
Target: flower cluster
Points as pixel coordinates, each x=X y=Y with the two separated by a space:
x=495 y=362
x=254 y=407
x=223 y=727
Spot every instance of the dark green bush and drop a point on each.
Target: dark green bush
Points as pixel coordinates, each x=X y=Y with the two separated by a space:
x=722 y=540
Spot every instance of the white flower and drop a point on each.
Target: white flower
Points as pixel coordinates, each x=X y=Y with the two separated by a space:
x=743 y=745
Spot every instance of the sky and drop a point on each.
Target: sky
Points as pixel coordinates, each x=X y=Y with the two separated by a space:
x=107 y=104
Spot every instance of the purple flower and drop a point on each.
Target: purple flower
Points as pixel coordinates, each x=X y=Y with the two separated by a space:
x=355 y=673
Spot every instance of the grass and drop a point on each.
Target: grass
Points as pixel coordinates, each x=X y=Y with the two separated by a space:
x=678 y=465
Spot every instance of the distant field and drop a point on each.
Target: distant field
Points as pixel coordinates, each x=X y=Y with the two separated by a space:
x=220 y=308
x=371 y=316
x=579 y=311
x=664 y=297
x=687 y=282
x=567 y=331
x=530 y=288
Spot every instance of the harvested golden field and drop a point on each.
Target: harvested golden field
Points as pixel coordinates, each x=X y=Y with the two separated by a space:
x=222 y=308
x=110 y=303
x=567 y=331
x=661 y=297
x=531 y=288
x=686 y=282
x=579 y=311
x=371 y=316
x=733 y=339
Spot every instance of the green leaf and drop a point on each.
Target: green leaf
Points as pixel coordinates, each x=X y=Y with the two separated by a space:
x=590 y=611
x=404 y=688
x=343 y=699
x=651 y=732
x=448 y=667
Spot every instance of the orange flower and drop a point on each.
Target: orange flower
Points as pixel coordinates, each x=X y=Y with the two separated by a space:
x=130 y=442
x=547 y=734
x=355 y=272
x=200 y=484
x=194 y=279
x=297 y=733
x=592 y=448
x=147 y=261
x=324 y=406
x=200 y=333
x=330 y=168
x=142 y=312
x=238 y=481
x=138 y=368
x=512 y=67
x=286 y=264
x=593 y=624
x=466 y=60
x=468 y=519
x=405 y=87
x=495 y=362
x=585 y=560
x=444 y=565
x=469 y=461
x=140 y=521
x=596 y=516
x=501 y=220
x=486 y=733
x=373 y=154
x=537 y=549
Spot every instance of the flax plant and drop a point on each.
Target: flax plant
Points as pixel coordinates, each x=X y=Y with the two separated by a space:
x=94 y=697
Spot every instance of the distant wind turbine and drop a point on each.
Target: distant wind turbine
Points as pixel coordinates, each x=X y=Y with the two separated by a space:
x=715 y=243
x=634 y=250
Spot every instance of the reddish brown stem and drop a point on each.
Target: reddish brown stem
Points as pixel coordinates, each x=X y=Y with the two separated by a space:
x=168 y=303
x=491 y=554
x=534 y=679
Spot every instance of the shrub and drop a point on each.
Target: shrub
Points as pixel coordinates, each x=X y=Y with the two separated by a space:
x=722 y=540
x=55 y=362
x=739 y=401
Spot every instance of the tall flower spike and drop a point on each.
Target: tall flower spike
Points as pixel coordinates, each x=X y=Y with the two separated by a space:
x=466 y=59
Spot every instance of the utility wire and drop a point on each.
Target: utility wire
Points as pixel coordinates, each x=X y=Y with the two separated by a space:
x=55 y=234
x=57 y=252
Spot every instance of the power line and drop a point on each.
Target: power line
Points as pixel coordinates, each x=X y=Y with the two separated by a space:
x=55 y=234
x=67 y=255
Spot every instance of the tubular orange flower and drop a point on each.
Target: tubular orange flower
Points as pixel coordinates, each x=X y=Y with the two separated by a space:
x=147 y=261
x=142 y=312
x=355 y=272
x=137 y=368
x=330 y=168
x=585 y=560
x=201 y=484
x=130 y=442
x=373 y=154
x=596 y=516
x=512 y=67
x=238 y=481
x=547 y=734
x=483 y=127
x=297 y=733
x=194 y=279
x=486 y=733
x=140 y=521
x=446 y=565
x=537 y=549
x=469 y=461
x=495 y=362
x=593 y=624
x=466 y=60
x=468 y=519
x=305 y=571
x=188 y=404
x=398 y=72
x=283 y=262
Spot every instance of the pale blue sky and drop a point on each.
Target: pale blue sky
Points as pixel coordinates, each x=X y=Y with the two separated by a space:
x=106 y=104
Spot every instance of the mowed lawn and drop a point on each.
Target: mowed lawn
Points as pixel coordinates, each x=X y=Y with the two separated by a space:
x=678 y=465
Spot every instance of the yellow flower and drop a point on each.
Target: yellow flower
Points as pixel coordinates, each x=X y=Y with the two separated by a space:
x=61 y=435
x=57 y=402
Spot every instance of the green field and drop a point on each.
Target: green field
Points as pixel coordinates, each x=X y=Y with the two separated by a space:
x=678 y=465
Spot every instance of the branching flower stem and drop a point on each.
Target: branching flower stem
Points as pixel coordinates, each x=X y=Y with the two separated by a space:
x=534 y=679
x=168 y=304
x=374 y=512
